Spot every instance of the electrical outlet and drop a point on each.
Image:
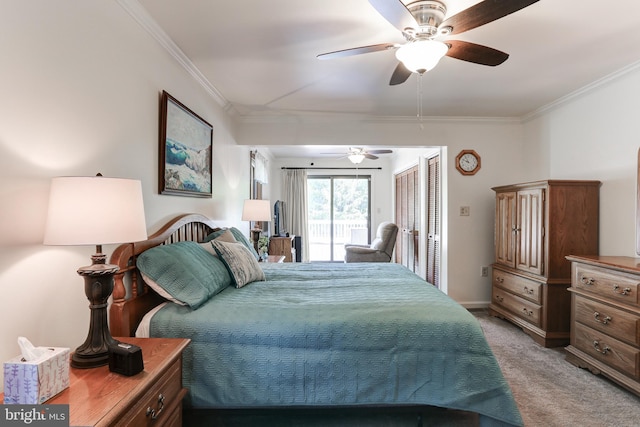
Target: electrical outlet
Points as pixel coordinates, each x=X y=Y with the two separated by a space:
x=465 y=210
x=484 y=271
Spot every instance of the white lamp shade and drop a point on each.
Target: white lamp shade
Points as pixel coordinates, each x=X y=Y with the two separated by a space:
x=256 y=210
x=94 y=211
x=422 y=55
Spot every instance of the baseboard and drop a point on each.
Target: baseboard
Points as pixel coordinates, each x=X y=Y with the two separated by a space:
x=475 y=305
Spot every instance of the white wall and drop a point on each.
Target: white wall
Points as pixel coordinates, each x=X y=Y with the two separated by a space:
x=594 y=135
x=80 y=89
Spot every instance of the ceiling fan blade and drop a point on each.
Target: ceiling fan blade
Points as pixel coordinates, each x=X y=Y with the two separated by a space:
x=478 y=54
x=400 y=75
x=396 y=13
x=483 y=13
x=379 y=151
x=370 y=156
x=356 y=51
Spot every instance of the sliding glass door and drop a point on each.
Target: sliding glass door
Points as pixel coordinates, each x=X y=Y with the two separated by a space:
x=339 y=212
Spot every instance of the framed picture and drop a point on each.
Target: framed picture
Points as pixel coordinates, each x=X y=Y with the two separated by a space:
x=186 y=143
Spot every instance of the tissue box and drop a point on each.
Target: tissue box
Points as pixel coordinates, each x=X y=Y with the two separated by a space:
x=35 y=381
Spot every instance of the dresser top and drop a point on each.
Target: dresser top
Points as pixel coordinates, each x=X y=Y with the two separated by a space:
x=623 y=263
x=97 y=394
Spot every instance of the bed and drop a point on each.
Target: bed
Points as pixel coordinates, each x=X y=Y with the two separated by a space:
x=310 y=334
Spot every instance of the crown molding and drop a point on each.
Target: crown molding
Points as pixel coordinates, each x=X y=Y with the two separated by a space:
x=142 y=17
x=585 y=90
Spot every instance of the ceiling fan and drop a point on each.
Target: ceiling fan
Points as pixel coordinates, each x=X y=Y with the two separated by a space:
x=424 y=26
x=357 y=154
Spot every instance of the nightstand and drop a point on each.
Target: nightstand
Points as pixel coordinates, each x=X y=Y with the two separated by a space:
x=283 y=246
x=98 y=397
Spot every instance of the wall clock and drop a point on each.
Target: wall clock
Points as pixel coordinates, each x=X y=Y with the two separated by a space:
x=468 y=162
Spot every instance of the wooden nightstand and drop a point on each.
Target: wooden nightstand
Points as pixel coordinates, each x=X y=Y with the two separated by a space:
x=98 y=397
x=282 y=246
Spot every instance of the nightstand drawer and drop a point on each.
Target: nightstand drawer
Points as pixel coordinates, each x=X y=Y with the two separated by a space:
x=610 y=320
x=614 y=353
x=615 y=286
x=517 y=285
x=157 y=406
x=518 y=306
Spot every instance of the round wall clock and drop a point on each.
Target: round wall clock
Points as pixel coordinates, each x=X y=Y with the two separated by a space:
x=468 y=162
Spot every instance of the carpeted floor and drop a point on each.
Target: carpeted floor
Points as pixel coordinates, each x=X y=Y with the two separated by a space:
x=549 y=392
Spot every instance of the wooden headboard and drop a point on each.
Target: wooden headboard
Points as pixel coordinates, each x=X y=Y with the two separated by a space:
x=128 y=308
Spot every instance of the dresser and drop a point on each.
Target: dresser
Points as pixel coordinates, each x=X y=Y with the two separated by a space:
x=605 y=317
x=283 y=246
x=98 y=397
x=537 y=224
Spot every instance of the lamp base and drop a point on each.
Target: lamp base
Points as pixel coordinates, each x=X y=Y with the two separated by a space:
x=255 y=236
x=98 y=285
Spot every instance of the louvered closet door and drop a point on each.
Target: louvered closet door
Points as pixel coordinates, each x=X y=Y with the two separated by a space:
x=407 y=219
x=433 y=221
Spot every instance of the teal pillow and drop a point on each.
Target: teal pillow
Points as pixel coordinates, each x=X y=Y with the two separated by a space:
x=237 y=234
x=242 y=266
x=185 y=271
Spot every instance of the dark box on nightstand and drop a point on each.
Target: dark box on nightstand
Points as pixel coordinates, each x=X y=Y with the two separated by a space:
x=125 y=359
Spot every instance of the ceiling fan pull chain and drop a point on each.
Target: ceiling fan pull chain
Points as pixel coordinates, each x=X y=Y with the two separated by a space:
x=420 y=99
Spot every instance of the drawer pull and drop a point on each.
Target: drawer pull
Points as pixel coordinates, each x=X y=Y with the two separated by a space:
x=528 y=291
x=527 y=312
x=604 y=321
x=605 y=350
x=152 y=412
x=587 y=281
x=499 y=279
x=625 y=291
x=499 y=298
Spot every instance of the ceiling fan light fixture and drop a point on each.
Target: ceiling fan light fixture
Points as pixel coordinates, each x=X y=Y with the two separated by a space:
x=356 y=158
x=421 y=56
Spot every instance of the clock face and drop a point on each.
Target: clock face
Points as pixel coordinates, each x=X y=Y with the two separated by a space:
x=468 y=162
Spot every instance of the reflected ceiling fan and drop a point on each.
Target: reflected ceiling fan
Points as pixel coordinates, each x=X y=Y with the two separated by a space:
x=425 y=28
x=357 y=154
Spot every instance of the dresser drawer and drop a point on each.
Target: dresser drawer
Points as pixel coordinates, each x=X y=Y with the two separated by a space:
x=157 y=406
x=517 y=285
x=614 y=353
x=516 y=305
x=617 y=323
x=610 y=284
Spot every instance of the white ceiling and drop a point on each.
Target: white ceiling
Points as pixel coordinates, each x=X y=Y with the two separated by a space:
x=261 y=56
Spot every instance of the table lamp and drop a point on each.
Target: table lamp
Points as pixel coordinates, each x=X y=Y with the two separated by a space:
x=256 y=210
x=95 y=211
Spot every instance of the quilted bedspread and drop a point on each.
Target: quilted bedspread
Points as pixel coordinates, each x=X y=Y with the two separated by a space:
x=318 y=334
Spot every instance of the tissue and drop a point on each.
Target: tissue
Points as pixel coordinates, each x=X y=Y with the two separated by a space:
x=37 y=375
x=29 y=352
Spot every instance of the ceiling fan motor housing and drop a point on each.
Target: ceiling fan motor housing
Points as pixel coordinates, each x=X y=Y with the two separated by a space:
x=429 y=14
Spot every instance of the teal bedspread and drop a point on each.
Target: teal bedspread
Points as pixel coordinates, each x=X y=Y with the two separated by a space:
x=337 y=334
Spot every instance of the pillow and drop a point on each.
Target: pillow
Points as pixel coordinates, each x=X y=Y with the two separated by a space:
x=237 y=234
x=185 y=271
x=224 y=236
x=242 y=266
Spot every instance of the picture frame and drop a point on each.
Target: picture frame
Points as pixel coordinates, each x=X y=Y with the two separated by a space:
x=186 y=150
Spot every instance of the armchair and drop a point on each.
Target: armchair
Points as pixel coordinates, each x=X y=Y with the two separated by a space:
x=380 y=249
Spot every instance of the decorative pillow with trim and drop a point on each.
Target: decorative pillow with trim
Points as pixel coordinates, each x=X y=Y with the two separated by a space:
x=185 y=271
x=237 y=234
x=223 y=235
x=241 y=263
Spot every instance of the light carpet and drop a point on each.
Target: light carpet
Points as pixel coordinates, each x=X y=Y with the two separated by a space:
x=549 y=390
